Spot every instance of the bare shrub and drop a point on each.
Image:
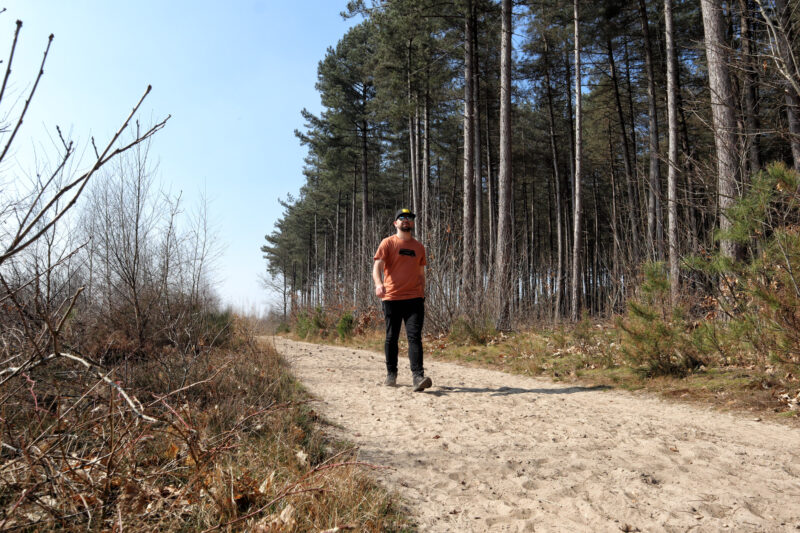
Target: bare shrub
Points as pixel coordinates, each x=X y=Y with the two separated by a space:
x=115 y=410
x=228 y=441
x=147 y=267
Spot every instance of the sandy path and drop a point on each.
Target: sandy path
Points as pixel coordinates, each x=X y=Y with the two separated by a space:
x=489 y=451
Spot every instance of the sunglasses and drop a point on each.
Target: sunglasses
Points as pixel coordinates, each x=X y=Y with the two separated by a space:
x=404 y=217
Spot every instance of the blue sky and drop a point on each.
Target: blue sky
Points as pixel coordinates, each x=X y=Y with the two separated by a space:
x=233 y=75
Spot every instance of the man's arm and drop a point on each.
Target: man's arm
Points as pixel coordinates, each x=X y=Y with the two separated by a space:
x=377 y=270
x=422 y=275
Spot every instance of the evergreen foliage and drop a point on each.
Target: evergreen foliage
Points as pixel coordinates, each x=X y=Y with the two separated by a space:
x=657 y=339
x=758 y=295
x=345 y=326
x=761 y=293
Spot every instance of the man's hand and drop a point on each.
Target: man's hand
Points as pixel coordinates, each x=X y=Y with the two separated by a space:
x=377 y=270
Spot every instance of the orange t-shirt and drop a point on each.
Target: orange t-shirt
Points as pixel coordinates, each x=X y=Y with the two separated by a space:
x=401 y=268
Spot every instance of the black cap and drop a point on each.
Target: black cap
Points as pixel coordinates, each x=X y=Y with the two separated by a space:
x=404 y=212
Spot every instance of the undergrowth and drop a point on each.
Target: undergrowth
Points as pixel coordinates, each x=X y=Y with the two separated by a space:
x=219 y=439
x=657 y=339
x=327 y=323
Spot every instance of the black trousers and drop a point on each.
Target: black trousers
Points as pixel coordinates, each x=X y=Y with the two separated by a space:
x=412 y=312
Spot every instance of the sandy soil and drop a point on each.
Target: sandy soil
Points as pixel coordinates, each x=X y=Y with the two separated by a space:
x=488 y=451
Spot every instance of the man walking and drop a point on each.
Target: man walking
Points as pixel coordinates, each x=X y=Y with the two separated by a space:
x=401 y=260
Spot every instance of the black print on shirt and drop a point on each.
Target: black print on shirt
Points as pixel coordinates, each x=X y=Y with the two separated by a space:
x=406 y=251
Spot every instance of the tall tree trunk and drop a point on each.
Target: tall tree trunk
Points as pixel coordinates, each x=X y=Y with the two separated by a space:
x=637 y=199
x=654 y=222
x=355 y=273
x=689 y=168
x=672 y=158
x=750 y=97
x=285 y=293
x=412 y=159
x=327 y=293
x=504 y=259
x=571 y=120
x=595 y=251
x=629 y=177
x=549 y=286
x=785 y=38
x=318 y=274
x=417 y=158
x=524 y=263
x=365 y=253
x=577 y=213
x=468 y=212
x=569 y=192
x=293 y=302
x=559 y=285
x=491 y=188
x=424 y=215
x=478 y=169
x=614 y=229
x=531 y=245
x=335 y=276
x=347 y=236
x=413 y=142
x=722 y=112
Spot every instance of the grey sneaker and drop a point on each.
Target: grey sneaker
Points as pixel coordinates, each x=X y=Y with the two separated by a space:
x=391 y=380
x=421 y=383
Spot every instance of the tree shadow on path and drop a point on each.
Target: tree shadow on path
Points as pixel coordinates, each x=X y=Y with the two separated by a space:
x=507 y=391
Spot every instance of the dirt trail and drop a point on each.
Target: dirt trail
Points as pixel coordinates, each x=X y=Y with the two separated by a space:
x=488 y=451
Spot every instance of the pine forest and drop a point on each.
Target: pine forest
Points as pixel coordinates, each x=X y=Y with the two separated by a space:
x=555 y=154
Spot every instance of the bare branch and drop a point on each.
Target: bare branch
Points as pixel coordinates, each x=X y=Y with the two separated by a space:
x=42 y=189
x=10 y=292
x=133 y=403
x=69 y=309
x=30 y=96
x=10 y=59
x=67 y=146
x=96 y=153
x=784 y=58
x=22 y=241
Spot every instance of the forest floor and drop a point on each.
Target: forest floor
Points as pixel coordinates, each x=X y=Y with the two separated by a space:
x=484 y=450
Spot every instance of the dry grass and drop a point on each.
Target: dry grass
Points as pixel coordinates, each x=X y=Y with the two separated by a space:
x=234 y=446
x=591 y=353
